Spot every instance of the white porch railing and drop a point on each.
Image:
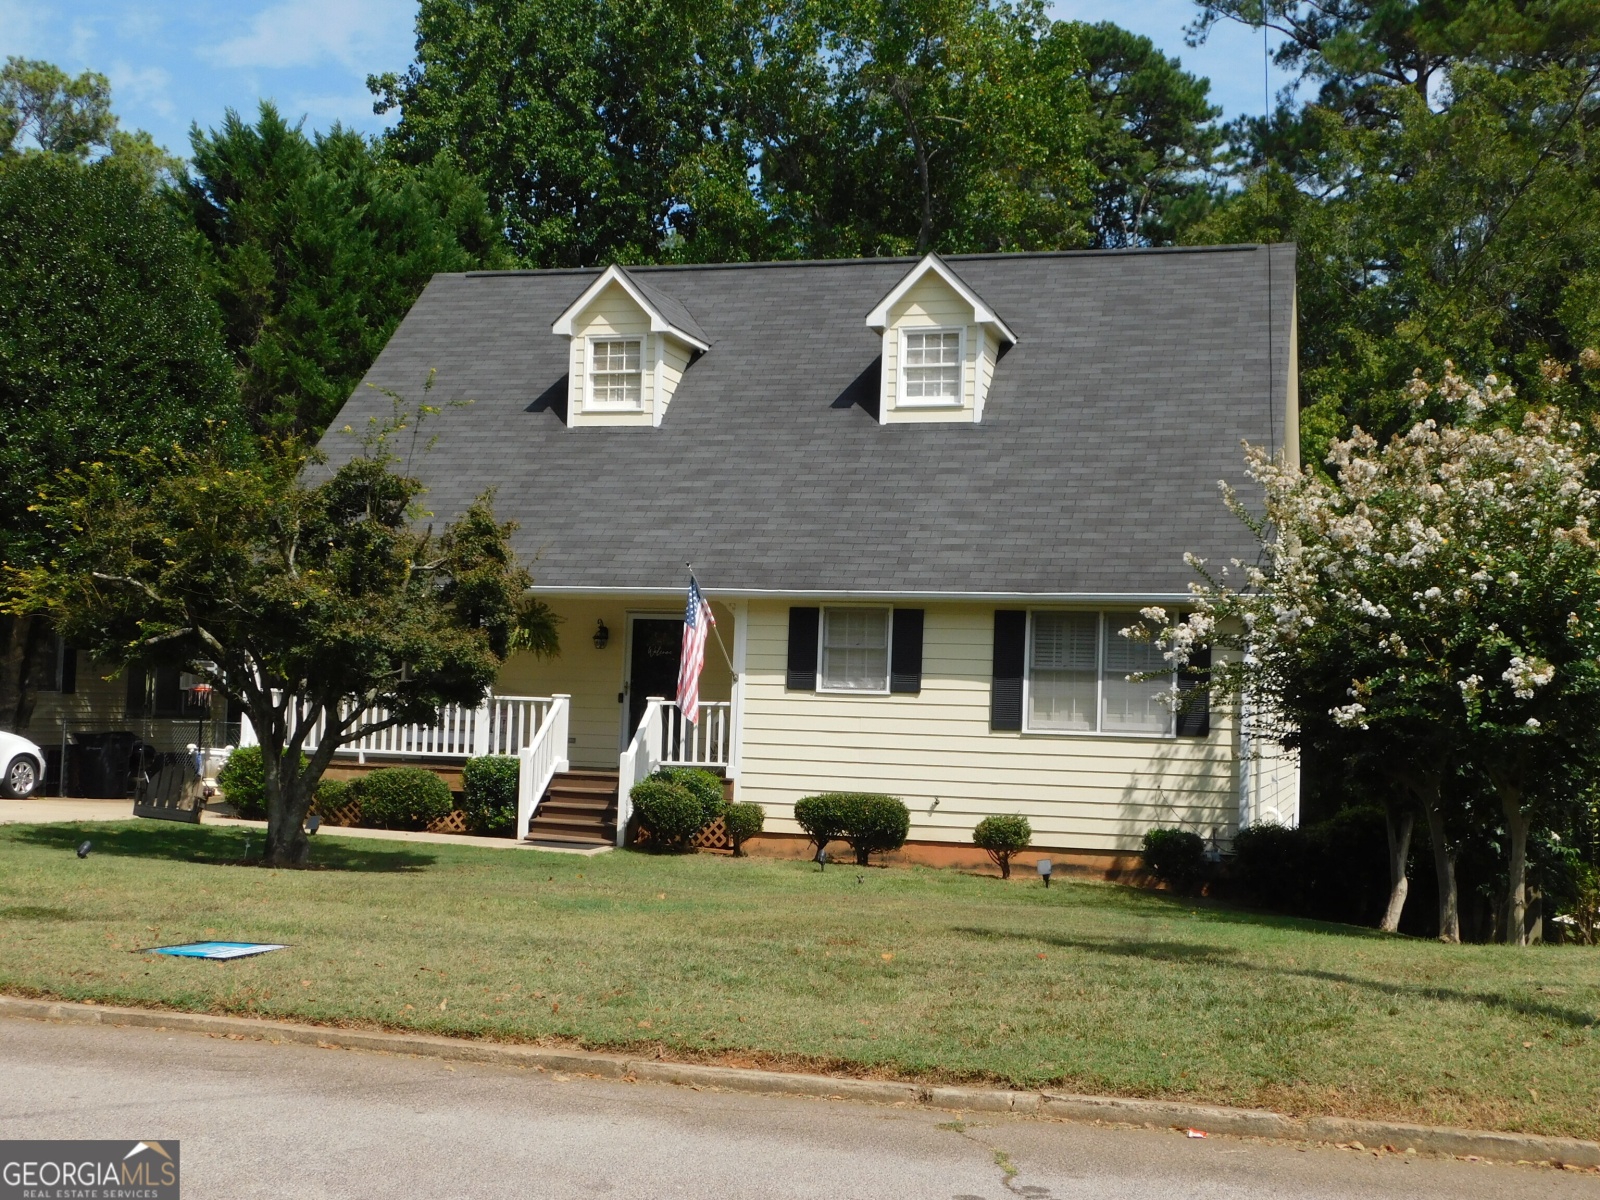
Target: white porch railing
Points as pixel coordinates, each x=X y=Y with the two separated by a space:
x=541 y=760
x=665 y=739
x=639 y=761
x=500 y=725
x=705 y=744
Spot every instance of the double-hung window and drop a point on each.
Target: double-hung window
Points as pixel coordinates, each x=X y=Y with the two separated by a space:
x=854 y=650
x=1079 y=666
x=615 y=377
x=930 y=366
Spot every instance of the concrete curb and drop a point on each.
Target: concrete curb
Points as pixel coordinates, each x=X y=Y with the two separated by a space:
x=1161 y=1114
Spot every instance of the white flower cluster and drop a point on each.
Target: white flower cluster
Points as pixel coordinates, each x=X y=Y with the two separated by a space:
x=1526 y=677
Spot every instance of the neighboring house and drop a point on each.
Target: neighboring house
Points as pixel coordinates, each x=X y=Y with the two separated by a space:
x=923 y=497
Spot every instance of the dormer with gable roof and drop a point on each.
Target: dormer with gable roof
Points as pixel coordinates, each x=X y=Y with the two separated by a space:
x=941 y=342
x=630 y=344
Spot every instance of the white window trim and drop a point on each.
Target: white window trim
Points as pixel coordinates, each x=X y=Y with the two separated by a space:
x=590 y=404
x=1099 y=689
x=888 y=651
x=900 y=398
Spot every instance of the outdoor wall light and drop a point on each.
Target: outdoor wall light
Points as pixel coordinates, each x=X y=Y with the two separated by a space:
x=602 y=635
x=1044 y=870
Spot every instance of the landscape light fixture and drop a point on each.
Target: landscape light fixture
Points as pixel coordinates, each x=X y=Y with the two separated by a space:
x=313 y=823
x=602 y=635
x=822 y=858
x=84 y=848
x=1044 y=870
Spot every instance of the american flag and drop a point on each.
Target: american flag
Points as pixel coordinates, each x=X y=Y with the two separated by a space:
x=697 y=623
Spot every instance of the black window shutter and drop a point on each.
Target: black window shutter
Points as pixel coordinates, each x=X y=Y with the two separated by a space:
x=67 y=677
x=137 y=703
x=1010 y=648
x=803 y=649
x=1194 y=705
x=905 y=665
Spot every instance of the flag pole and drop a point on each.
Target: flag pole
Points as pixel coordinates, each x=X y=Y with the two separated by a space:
x=732 y=670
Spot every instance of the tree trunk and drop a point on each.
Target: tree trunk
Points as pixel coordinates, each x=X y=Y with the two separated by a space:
x=14 y=672
x=1444 y=866
x=1399 y=824
x=288 y=801
x=1517 y=871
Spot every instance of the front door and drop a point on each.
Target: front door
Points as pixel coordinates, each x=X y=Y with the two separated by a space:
x=652 y=664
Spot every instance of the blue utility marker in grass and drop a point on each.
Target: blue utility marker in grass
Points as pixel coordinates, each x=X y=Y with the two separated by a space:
x=216 y=949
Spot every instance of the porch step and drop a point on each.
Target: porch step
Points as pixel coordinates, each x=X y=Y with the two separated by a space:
x=580 y=808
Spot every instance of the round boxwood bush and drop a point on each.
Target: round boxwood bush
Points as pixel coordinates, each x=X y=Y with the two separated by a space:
x=743 y=822
x=402 y=798
x=243 y=782
x=822 y=817
x=669 y=811
x=1000 y=838
x=874 y=824
x=331 y=796
x=701 y=784
x=1177 y=857
x=489 y=787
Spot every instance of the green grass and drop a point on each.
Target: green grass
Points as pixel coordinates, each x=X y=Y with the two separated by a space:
x=914 y=973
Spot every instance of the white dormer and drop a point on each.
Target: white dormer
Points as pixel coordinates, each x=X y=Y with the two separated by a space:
x=630 y=345
x=940 y=346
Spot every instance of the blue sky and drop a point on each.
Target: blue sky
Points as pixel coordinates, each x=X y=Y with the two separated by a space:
x=173 y=62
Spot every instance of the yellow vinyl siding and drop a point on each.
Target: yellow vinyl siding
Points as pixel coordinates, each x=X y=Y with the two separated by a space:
x=1092 y=792
x=95 y=699
x=593 y=678
x=674 y=362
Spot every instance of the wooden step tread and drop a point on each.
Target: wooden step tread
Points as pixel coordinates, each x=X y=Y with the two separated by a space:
x=594 y=789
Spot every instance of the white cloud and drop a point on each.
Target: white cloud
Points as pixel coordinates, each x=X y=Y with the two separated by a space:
x=360 y=34
x=352 y=109
x=146 y=86
x=19 y=28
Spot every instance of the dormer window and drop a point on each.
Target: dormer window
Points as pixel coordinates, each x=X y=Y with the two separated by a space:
x=629 y=345
x=941 y=344
x=930 y=370
x=616 y=380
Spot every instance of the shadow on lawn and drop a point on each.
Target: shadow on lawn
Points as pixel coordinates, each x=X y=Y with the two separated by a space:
x=214 y=846
x=1200 y=954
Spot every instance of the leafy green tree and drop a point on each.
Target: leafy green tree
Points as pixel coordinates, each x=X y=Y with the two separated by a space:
x=309 y=600
x=317 y=247
x=1443 y=187
x=657 y=131
x=43 y=108
x=107 y=343
x=1437 y=600
x=1151 y=136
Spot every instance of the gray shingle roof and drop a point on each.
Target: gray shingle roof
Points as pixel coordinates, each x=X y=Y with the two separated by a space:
x=1107 y=427
x=668 y=306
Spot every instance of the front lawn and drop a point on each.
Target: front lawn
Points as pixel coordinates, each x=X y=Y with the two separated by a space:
x=914 y=973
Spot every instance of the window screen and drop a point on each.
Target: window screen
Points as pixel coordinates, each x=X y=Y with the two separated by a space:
x=1062 y=671
x=855 y=649
x=1132 y=706
x=615 y=374
x=933 y=366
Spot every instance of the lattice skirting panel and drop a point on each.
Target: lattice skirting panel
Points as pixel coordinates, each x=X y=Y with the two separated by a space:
x=714 y=837
x=349 y=815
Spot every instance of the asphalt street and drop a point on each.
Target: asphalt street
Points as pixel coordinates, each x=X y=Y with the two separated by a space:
x=259 y=1120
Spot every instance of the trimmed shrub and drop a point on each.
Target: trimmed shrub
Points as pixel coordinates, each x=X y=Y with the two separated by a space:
x=243 y=782
x=1177 y=857
x=1335 y=870
x=1000 y=838
x=743 y=822
x=1269 y=867
x=489 y=787
x=331 y=796
x=874 y=824
x=703 y=785
x=822 y=817
x=402 y=798
x=669 y=811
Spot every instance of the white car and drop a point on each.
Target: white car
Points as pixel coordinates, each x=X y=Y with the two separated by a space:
x=23 y=765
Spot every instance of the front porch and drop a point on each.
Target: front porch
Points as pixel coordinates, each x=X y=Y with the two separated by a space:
x=585 y=725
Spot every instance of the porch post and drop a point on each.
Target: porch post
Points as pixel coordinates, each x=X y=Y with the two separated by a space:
x=741 y=640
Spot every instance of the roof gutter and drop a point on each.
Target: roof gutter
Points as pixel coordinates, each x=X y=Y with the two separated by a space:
x=717 y=593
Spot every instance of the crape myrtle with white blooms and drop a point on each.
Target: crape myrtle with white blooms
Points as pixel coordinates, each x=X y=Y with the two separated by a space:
x=1437 y=596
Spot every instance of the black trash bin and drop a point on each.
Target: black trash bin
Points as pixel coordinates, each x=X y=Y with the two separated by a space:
x=103 y=760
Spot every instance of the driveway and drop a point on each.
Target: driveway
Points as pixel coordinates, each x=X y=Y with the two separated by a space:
x=258 y=1120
